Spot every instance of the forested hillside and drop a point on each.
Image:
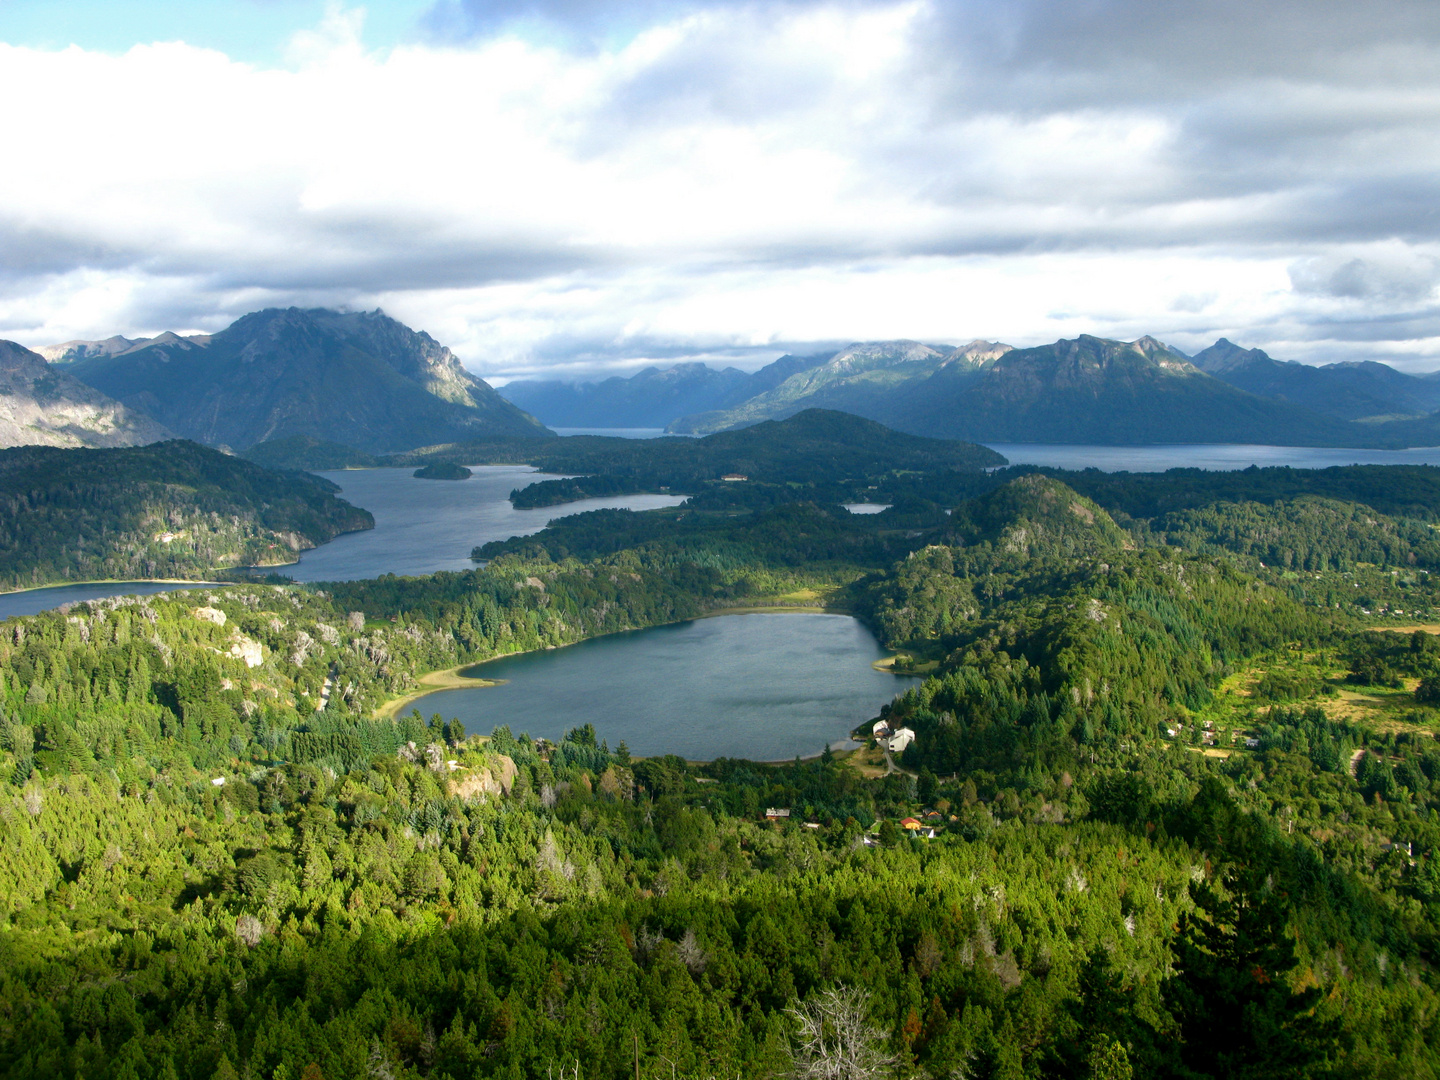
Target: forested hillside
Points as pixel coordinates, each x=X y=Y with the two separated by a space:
x=1184 y=810
x=169 y=510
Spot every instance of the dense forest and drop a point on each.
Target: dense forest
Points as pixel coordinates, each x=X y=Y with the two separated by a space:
x=1171 y=809
x=169 y=510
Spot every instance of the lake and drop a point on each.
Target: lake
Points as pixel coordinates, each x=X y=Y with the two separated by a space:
x=1216 y=456
x=759 y=686
x=422 y=526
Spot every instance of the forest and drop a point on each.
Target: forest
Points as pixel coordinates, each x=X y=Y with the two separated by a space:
x=169 y=510
x=1171 y=809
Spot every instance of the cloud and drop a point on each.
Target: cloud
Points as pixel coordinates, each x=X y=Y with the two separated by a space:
x=1388 y=272
x=580 y=184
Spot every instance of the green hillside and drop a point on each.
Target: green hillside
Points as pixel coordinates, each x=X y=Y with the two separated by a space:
x=169 y=510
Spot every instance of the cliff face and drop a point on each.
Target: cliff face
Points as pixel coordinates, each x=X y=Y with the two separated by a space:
x=45 y=406
x=359 y=379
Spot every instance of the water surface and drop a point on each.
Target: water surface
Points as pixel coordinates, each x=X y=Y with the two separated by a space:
x=615 y=432
x=34 y=601
x=1215 y=456
x=762 y=686
x=422 y=526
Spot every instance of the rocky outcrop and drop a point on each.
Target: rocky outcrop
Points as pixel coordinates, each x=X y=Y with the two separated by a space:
x=496 y=778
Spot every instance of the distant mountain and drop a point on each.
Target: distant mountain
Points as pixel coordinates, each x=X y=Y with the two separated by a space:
x=1094 y=390
x=1353 y=390
x=45 y=406
x=359 y=379
x=653 y=397
x=1086 y=390
x=863 y=379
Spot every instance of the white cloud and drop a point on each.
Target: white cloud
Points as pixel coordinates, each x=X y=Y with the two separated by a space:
x=743 y=177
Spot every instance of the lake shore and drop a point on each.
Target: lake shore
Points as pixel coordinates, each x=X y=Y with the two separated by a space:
x=444 y=679
x=451 y=679
x=113 y=581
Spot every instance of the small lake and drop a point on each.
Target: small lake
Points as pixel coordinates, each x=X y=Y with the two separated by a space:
x=759 y=686
x=1216 y=456
x=422 y=526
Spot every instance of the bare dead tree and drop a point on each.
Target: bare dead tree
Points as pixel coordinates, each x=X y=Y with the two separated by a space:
x=834 y=1038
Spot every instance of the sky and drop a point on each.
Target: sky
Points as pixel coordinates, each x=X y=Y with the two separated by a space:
x=568 y=188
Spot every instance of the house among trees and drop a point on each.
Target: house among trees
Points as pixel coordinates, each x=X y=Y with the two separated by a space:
x=772 y=812
x=901 y=739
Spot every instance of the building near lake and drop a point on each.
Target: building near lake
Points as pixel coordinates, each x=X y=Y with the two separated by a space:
x=901 y=739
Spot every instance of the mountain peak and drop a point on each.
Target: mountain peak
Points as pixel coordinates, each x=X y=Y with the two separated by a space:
x=360 y=379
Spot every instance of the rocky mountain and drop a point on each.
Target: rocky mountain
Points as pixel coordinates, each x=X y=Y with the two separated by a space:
x=361 y=379
x=68 y=352
x=857 y=379
x=1353 y=390
x=45 y=406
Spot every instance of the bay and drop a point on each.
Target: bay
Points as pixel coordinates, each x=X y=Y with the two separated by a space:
x=762 y=686
x=1213 y=456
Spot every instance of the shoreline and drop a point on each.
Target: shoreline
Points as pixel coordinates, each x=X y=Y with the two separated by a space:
x=451 y=679
x=119 y=581
x=442 y=679
x=456 y=681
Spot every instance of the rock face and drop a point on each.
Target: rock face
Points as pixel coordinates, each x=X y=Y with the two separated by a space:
x=45 y=406
x=70 y=351
x=360 y=379
x=483 y=782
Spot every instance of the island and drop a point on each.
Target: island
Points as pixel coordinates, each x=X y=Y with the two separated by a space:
x=443 y=471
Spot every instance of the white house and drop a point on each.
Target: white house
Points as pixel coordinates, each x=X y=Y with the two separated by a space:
x=880 y=729
x=901 y=739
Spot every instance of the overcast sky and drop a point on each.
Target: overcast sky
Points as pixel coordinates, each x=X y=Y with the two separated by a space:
x=570 y=186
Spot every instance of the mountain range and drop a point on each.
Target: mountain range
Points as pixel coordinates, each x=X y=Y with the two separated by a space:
x=1083 y=390
x=653 y=396
x=371 y=386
